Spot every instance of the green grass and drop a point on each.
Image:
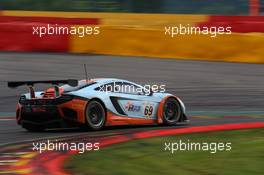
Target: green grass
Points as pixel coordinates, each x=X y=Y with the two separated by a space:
x=147 y=156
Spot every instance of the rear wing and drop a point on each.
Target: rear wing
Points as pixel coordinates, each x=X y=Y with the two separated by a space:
x=30 y=84
x=14 y=84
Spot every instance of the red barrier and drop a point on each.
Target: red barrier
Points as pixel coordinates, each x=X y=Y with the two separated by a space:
x=19 y=37
x=16 y=33
x=51 y=20
x=239 y=24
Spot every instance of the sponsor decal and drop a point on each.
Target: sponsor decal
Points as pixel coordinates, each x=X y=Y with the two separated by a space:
x=131 y=107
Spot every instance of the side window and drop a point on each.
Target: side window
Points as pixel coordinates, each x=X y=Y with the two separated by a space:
x=106 y=87
x=121 y=87
x=129 y=88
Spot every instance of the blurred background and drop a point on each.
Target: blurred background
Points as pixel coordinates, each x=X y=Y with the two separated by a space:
x=136 y=28
x=227 y=7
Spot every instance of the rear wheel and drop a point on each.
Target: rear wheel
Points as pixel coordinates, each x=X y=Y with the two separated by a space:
x=172 y=111
x=95 y=115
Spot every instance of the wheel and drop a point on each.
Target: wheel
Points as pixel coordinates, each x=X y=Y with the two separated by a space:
x=95 y=115
x=33 y=128
x=172 y=111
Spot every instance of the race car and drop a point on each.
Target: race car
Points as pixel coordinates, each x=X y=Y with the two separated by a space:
x=94 y=104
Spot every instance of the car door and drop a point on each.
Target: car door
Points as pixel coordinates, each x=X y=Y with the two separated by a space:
x=130 y=101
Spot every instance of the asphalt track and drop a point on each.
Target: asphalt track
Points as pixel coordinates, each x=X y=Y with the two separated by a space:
x=207 y=88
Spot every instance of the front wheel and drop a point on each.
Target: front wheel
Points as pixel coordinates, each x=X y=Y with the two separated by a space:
x=95 y=115
x=172 y=111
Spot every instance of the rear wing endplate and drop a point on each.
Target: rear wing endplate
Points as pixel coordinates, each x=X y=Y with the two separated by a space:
x=30 y=84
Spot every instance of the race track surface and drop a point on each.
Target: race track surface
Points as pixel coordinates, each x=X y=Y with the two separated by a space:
x=207 y=88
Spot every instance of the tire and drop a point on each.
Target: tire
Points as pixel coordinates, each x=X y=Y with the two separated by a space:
x=33 y=128
x=95 y=115
x=172 y=111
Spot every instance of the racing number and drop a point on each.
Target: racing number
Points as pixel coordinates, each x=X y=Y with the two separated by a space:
x=148 y=110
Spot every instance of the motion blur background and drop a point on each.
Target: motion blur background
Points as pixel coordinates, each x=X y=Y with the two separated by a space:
x=233 y=7
x=136 y=28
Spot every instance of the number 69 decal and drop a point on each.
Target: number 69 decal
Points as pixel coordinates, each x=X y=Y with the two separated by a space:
x=148 y=110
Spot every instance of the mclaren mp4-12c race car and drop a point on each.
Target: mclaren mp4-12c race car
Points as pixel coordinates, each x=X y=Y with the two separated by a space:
x=94 y=104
